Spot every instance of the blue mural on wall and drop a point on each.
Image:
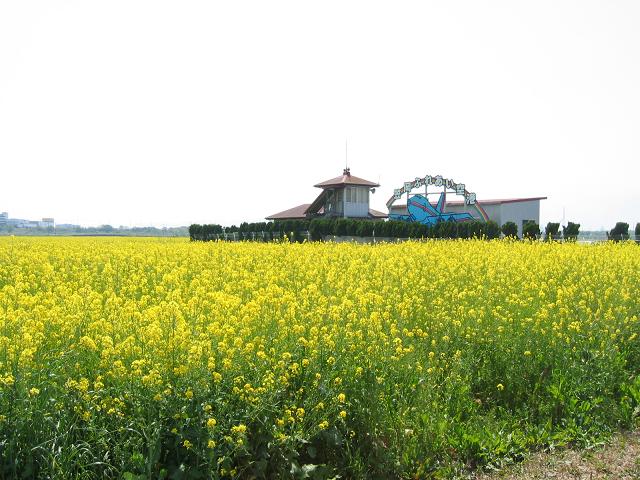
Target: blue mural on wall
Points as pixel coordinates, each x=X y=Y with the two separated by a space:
x=422 y=211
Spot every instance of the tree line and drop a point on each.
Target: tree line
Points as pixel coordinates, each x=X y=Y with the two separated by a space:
x=621 y=232
x=319 y=228
x=106 y=230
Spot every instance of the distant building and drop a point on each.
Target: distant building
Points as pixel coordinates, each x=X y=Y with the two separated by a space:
x=21 y=223
x=517 y=210
x=46 y=223
x=346 y=196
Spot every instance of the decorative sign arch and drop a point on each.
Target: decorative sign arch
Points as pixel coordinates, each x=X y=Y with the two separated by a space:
x=421 y=210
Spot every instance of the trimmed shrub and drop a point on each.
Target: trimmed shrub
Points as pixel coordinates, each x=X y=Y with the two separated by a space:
x=194 y=231
x=510 y=229
x=204 y=233
x=491 y=229
x=315 y=230
x=530 y=230
x=383 y=229
x=620 y=232
x=364 y=228
x=571 y=231
x=400 y=229
x=296 y=230
x=341 y=227
x=352 y=227
x=551 y=231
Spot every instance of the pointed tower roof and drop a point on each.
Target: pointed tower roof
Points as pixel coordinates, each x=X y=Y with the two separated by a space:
x=346 y=179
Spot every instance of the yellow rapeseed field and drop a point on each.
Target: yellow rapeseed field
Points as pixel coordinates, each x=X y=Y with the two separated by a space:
x=156 y=358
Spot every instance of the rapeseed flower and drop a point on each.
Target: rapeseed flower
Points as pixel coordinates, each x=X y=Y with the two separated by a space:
x=277 y=337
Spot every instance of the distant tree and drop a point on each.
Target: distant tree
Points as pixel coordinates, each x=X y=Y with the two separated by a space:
x=439 y=230
x=619 y=232
x=417 y=230
x=365 y=228
x=320 y=227
x=326 y=225
x=298 y=236
x=510 y=229
x=315 y=230
x=193 y=231
x=476 y=229
x=399 y=229
x=352 y=227
x=570 y=231
x=491 y=230
x=637 y=232
x=463 y=229
x=382 y=228
x=530 y=230
x=551 y=231
x=340 y=227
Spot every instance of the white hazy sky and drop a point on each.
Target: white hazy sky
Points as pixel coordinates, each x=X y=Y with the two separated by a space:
x=168 y=113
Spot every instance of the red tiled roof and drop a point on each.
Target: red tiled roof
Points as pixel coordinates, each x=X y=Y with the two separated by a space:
x=498 y=201
x=300 y=213
x=292 y=213
x=346 y=179
x=376 y=214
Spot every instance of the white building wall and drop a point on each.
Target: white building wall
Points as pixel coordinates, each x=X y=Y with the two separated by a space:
x=25 y=224
x=492 y=210
x=399 y=209
x=516 y=212
x=519 y=212
x=358 y=208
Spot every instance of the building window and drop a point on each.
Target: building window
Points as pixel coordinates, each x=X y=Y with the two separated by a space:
x=355 y=195
x=338 y=201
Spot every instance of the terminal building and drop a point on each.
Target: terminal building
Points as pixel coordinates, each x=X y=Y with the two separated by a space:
x=346 y=196
x=428 y=200
x=501 y=211
x=5 y=221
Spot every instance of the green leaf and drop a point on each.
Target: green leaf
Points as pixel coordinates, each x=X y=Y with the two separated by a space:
x=311 y=450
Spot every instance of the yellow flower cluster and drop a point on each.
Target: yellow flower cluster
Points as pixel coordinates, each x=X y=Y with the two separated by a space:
x=297 y=338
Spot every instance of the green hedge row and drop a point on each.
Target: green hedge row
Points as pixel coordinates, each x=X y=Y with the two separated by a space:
x=318 y=228
x=321 y=227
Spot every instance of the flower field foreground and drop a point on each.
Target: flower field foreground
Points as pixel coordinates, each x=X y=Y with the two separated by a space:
x=148 y=358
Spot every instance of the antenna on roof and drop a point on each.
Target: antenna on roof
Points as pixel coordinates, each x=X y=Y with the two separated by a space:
x=346 y=170
x=346 y=155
